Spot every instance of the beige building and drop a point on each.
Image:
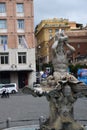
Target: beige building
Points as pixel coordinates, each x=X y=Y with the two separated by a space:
x=17 y=49
x=46 y=30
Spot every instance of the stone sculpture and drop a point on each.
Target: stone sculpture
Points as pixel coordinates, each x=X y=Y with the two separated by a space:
x=61 y=89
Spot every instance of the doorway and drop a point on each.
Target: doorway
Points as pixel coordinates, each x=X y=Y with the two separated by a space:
x=4 y=77
x=22 y=79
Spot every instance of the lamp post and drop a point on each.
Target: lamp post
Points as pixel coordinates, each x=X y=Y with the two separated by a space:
x=39 y=47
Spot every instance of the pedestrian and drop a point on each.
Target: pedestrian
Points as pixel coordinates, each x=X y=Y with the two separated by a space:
x=3 y=92
x=7 y=93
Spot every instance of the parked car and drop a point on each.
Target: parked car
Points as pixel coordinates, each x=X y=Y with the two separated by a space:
x=82 y=75
x=35 y=84
x=12 y=88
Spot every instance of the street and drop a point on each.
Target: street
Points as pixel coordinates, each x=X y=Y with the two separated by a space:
x=22 y=107
x=25 y=107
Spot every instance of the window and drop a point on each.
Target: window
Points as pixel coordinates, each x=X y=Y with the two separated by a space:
x=20 y=8
x=50 y=36
x=57 y=30
x=22 y=57
x=20 y=24
x=9 y=85
x=2 y=8
x=50 y=30
x=78 y=45
x=20 y=38
x=3 y=24
x=3 y=39
x=4 y=58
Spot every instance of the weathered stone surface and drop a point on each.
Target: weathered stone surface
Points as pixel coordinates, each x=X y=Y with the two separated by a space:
x=61 y=89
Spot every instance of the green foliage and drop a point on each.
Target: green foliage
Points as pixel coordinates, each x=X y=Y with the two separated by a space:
x=74 y=68
x=47 y=65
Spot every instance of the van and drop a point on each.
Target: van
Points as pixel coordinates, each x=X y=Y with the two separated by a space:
x=12 y=88
x=1 y=88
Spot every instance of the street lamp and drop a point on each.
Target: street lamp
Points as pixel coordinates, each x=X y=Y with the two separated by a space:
x=39 y=47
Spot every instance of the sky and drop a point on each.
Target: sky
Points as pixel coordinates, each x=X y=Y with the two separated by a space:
x=74 y=10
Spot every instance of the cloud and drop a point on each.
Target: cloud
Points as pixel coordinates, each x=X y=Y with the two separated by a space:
x=73 y=10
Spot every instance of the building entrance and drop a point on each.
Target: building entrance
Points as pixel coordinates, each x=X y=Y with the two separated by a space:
x=22 y=79
x=4 y=77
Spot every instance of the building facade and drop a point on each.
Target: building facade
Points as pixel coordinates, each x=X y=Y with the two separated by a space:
x=46 y=30
x=17 y=45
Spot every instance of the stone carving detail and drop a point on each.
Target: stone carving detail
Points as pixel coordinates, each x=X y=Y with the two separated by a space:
x=61 y=89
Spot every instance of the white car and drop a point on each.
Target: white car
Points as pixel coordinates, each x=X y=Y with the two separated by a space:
x=12 y=88
x=1 y=88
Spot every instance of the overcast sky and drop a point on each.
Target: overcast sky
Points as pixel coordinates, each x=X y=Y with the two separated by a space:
x=74 y=10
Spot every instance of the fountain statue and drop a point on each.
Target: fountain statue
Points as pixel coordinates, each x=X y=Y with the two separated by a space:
x=61 y=89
